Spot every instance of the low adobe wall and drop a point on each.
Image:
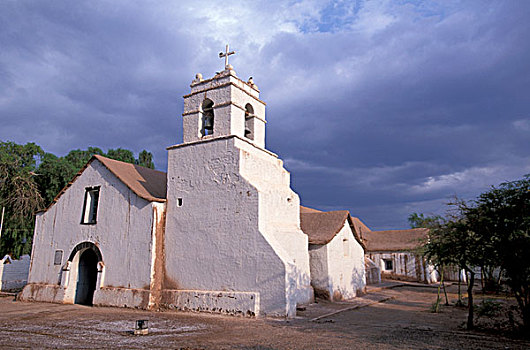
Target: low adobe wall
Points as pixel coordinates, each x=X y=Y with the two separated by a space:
x=229 y=303
x=14 y=273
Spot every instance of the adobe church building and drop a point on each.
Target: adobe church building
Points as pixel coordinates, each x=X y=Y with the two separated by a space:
x=219 y=233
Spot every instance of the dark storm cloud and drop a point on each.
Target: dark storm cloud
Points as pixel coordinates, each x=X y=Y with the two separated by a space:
x=87 y=75
x=380 y=107
x=427 y=111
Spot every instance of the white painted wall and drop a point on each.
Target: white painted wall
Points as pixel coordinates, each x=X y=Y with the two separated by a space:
x=226 y=235
x=338 y=267
x=318 y=259
x=14 y=273
x=346 y=264
x=122 y=233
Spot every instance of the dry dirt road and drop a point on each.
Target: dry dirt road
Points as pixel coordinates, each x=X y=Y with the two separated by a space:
x=403 y=321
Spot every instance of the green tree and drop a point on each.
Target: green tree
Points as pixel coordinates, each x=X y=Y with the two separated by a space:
x=78 y=158
x=19 y=194
x=421 y=221
x=53 y=174
x=146 y=159
x=501 y=218
x=491 y=232
x=452 y=243
x=121 y=154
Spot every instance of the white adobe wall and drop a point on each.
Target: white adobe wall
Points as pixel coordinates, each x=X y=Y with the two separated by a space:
x=14 y=274
x=338 y=267
x=279 y=217
x=218 y=239
x=122 y=233
x=346 y=265
x=318 y=261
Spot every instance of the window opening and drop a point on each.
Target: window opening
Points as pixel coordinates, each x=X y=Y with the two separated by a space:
x=58 y=258
x=346 y=247
x=249 y=122
x=90 y=207
x=388 y=264
x=207 y=117
x=179 y=202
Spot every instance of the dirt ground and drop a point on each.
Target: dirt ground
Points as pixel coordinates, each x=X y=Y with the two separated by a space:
x=397 y=318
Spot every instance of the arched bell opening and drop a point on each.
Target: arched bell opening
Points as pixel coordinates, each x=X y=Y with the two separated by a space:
x=249 y=122
x=207 y=118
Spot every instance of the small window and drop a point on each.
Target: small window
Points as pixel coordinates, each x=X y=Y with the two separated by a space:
x=207 y=117
x=179 y=202
x=389 y=265
x=58 y=259
x=90 y=207
x=346 y=246
x=249 y=122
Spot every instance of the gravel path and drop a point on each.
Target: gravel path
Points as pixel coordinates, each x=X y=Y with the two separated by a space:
x=397 y=318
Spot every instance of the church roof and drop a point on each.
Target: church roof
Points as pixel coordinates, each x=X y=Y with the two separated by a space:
x=394 y=240
x=308 y=210
x=321 y=227
x=146 y=183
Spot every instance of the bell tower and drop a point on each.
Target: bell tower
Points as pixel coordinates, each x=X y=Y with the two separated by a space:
x=232 y=220
x=222 y=106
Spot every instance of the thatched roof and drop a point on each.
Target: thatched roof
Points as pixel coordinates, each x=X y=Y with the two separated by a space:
x=146 y=183
x=308 y=210
x=321 y=227
x=360 y=227
x=394 y=240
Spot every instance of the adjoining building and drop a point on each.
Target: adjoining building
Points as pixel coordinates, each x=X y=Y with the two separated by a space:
x=396 y=252
x=336 y=254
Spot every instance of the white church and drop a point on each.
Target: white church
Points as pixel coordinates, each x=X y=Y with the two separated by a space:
x=220 y=232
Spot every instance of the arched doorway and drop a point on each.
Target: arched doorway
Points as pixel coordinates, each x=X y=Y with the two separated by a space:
x=86 y=277
x=86 y=262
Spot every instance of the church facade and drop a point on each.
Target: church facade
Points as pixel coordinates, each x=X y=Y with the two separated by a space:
x=220 y=232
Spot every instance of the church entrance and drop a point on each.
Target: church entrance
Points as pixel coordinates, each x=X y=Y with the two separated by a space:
x=86 y=277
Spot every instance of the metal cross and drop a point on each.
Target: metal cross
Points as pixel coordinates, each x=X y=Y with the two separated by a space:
x=225 y=55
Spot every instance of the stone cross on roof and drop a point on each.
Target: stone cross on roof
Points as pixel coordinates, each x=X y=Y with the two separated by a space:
x=225 y=55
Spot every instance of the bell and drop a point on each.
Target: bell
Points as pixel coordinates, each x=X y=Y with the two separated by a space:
x=208 y=122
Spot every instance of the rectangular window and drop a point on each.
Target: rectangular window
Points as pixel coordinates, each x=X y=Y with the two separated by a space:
x=90 y=207
x=58 y=259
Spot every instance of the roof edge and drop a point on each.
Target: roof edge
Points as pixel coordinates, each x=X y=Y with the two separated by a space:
x=147 y=198
x=96 y=157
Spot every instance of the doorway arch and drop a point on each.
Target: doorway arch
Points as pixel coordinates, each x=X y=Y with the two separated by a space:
x=85 y=258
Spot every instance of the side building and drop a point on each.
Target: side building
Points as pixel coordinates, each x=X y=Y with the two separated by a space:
x=336 y=254
x=395 y=251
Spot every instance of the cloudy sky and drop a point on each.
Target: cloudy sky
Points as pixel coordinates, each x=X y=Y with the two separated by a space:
x=381 y=107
